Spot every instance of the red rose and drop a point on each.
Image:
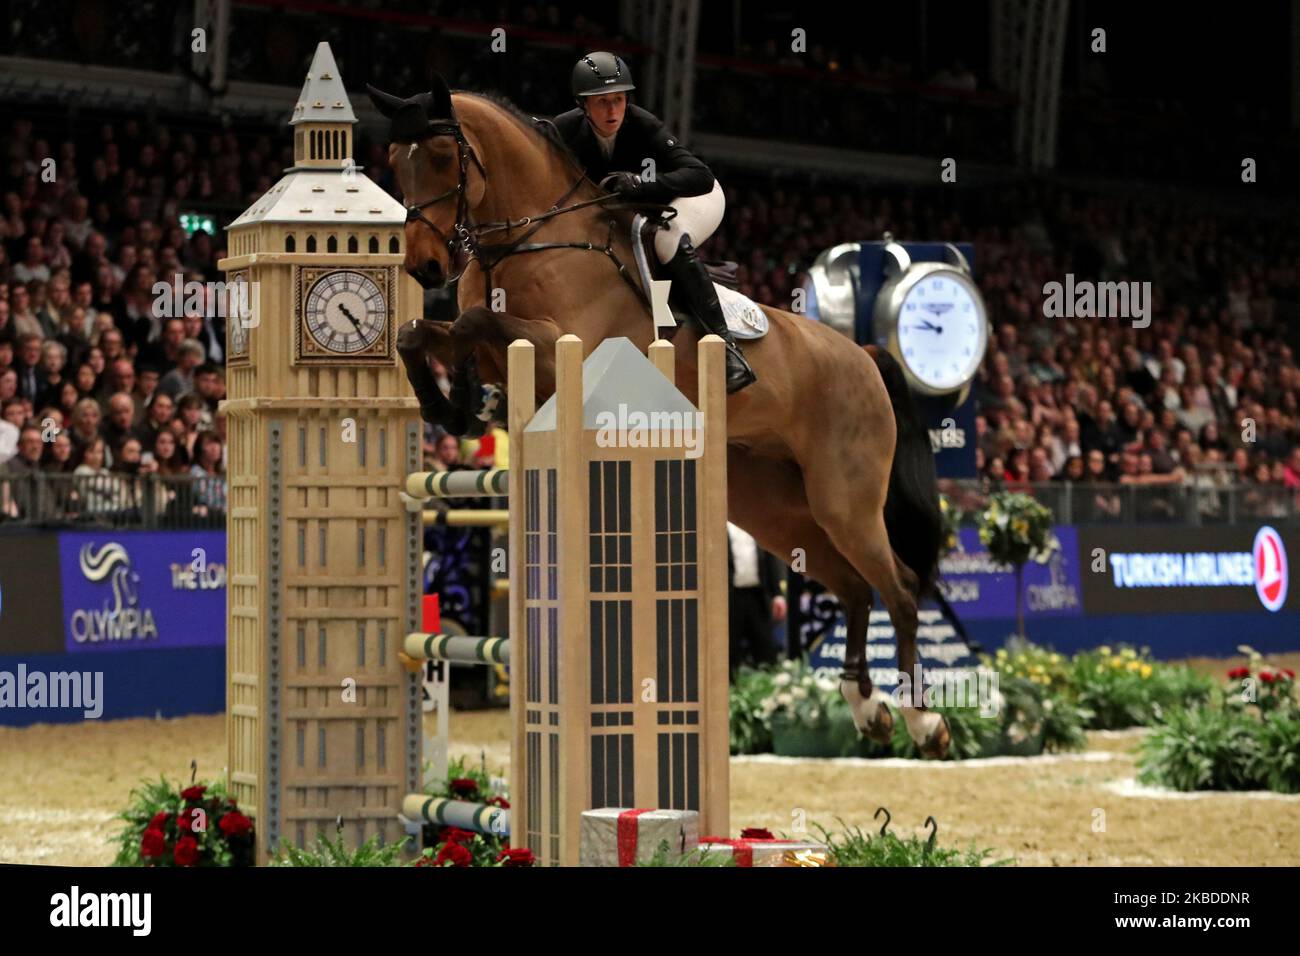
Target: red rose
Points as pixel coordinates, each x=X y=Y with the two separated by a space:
x=457 y=835
x=499 y=801
x=153 y=845
x=186 y=852
x=1289 y=672
x=234 y=824
x=188 y=818
x=464 y=787
x=519 y=857
x=1238 y=672
x=193 y=793
x=1266 y=676
x=455 y=854
x=159 y=820
x=756 y=833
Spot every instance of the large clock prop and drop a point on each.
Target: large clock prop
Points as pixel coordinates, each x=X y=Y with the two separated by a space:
x=920 y=301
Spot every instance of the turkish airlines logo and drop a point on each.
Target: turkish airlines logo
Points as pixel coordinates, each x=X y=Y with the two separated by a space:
x=1270 y=569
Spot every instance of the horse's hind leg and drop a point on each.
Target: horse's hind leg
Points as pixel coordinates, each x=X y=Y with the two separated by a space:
x=852 y=514
x=754 y=484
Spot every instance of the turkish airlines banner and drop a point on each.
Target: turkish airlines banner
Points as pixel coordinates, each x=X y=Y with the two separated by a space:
x=1179 y=569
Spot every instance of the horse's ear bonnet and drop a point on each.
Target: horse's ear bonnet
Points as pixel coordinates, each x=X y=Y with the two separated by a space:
x=414 y=119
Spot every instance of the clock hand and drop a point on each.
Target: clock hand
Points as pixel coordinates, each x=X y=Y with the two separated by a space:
x=351 y=318
x=929 y=326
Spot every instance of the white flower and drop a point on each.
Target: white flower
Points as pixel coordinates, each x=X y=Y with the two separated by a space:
x=799 y=693
x=814 y=714
x=780 y=680
x=784 y=700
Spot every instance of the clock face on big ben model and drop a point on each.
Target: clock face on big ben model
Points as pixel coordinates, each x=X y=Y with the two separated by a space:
x=344 y=313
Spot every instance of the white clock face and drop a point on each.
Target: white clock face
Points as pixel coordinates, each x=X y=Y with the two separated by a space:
x=346 y=312
x=941 y=332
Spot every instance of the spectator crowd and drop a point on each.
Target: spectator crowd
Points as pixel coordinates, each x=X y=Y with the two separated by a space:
x=94 y=382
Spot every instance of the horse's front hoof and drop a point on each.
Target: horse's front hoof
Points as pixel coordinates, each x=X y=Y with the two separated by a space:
x=930 y=732
x=871 y=714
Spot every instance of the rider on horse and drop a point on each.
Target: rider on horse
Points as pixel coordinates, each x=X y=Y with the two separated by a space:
x=613 y=138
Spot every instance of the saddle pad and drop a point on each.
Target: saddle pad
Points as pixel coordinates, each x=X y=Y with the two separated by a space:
x=744 y=318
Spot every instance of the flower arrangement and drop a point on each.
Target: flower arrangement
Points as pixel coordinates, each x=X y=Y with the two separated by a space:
x=1125 y=687
x=1270 y=688
x=199 y=825
x=1016 y=528
x=454 y=847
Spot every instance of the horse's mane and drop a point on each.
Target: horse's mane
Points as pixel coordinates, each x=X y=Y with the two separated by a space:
x=545 y=131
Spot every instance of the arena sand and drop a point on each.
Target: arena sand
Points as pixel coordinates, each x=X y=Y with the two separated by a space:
x=61 y=784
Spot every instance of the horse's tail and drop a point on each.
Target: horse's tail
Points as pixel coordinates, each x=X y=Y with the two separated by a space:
x=912 y=517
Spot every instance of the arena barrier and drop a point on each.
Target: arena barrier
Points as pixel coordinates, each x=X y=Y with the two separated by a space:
x=618 y=598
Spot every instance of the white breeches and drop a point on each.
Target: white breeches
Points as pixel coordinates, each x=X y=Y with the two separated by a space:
x=697 y=217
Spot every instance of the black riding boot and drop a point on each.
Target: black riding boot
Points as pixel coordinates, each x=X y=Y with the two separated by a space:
x=694 y=291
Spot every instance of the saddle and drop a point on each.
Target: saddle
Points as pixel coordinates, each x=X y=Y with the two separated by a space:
x=745 y=320
x=722 y=272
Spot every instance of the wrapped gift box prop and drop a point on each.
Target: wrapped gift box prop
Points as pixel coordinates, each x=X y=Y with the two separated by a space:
x=613 y=836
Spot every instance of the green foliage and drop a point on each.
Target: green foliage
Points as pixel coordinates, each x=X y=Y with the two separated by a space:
x=1277 y=762
x=1222 y=749
x=170 y=825
x=855 y=848
x=327 y=852
x=665 y=855
x=1129 y=689
x=751 y=732
x=1206 y=749
x=1017 y=528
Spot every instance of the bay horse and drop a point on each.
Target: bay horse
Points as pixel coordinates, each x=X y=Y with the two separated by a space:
x=827 y=456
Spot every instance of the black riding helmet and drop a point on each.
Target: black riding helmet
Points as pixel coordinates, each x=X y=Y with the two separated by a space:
x=598 y=73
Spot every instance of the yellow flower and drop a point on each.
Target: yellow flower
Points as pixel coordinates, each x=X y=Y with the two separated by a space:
x=1134 y=665
x=1146 y=671
x=1021 y=527
x=1116 y=662
x=1100 y=669
x=1128 y=652
x=1105 y=651
x=1002 y=653
x=1055 y=658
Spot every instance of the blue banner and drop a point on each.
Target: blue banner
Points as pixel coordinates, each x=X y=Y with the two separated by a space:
x=141 y=590
x=977 y=587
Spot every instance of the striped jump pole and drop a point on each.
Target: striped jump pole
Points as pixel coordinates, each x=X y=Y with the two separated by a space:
x=463 y=814
x=457 y=648
x=467 y=518
x=486 y=483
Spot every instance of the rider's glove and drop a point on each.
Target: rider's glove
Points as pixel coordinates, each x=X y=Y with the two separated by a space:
x=623 y=183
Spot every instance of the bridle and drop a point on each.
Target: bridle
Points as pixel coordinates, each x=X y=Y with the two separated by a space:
x=466 y=233
x=462 y=237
